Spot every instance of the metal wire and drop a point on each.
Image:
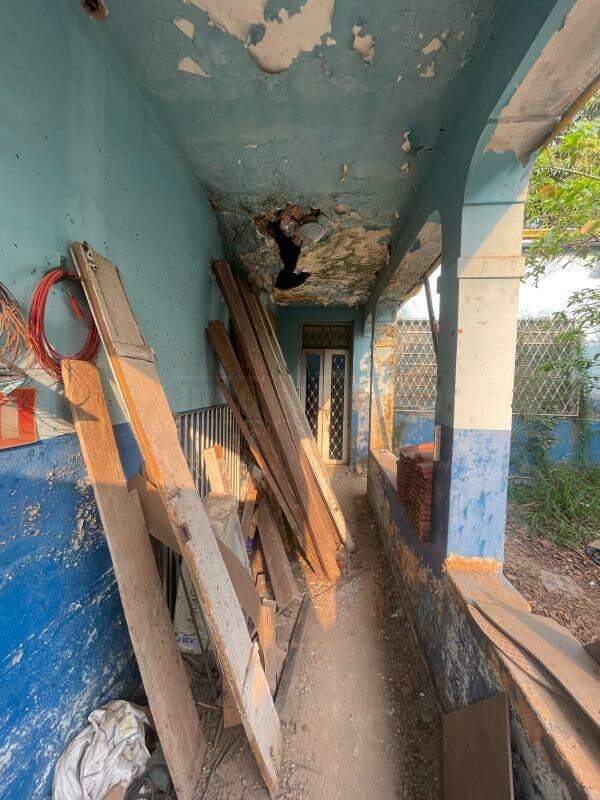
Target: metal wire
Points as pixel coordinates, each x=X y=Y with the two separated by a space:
x=14 y=342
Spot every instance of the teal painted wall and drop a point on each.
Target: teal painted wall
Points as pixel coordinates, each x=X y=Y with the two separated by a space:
x=82 y=156
x=288 y=323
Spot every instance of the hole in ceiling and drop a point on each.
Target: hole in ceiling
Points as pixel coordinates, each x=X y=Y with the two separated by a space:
x=294 y=232
x=96 y=9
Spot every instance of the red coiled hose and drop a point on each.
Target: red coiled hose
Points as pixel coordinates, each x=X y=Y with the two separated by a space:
x=46 y=354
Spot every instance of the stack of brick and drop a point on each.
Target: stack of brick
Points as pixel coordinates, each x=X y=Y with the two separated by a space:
x=415 y=486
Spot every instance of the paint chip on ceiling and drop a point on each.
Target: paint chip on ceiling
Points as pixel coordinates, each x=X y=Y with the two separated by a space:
x=429 y=71
x=406 y=145
x=233 y=16
x=185 y=26
x=285 y=38
x=364 y=44
x=188 y=64
x=345 y=171
x=435 y=44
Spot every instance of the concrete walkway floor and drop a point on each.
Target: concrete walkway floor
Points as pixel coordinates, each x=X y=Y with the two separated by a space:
x=361 y=720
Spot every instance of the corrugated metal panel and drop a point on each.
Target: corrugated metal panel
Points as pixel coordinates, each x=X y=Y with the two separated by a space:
x=206 y=427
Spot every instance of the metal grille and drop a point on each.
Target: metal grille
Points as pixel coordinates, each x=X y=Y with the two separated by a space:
x=312 y=391
x=335 y=336
x=539 y=390
x=336 y=417
x=416 y=368
x=540 y=341
x=207 y=427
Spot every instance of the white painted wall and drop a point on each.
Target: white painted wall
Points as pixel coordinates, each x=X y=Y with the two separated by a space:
x=551 y=293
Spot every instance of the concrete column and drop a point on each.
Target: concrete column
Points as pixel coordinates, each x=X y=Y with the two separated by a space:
x=478 y=324
x=382 y=380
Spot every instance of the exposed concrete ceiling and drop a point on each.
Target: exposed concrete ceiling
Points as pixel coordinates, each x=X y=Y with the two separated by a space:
x=331 y=106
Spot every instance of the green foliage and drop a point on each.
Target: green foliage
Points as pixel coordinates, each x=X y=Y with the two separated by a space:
x=564 y=196
x=560 y=503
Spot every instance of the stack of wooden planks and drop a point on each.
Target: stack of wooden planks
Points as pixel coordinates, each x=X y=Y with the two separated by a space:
x=264 y=401
x=289 y=483
x=166 y=501
x=415 y=486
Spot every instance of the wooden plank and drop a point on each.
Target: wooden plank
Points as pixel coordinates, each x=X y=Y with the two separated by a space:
x=270 y=346
x=231 y=716
x=266 y=471
x=593 y=648
x=167 y=469
x=287 y=409
x=273 y=657
x=285 y=680
x=222 y=346
x=216 y=471
x=157 y=520
x=556 y=649
x=248 y=511
x=476 y=752
x=306 y=491
x=280 y=572
x=147 y=616
x=259 y=568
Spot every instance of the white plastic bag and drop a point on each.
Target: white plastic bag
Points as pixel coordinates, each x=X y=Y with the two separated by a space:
x=109 y=751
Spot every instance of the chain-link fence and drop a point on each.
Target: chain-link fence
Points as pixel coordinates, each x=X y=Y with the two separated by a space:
x=539 y=389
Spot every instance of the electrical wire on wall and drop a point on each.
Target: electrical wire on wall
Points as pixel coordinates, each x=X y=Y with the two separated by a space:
x=47 y=355
x=14 y=343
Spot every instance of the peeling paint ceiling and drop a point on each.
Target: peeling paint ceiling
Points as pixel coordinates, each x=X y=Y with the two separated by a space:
x=326 y=104
x=422 y=256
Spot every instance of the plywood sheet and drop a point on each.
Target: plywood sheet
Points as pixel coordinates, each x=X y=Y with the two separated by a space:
x=476 y=752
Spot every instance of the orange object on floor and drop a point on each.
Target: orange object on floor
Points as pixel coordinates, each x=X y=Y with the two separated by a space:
x=17 y=418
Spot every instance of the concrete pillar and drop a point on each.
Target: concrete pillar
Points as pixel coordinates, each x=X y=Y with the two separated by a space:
x=382 y=380
x=479 y=291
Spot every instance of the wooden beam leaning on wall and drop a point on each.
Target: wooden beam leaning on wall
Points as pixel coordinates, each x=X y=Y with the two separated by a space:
x=302 y=478
x=270 y=457
x=147 y=616
x=294 y=411
x=132 y=364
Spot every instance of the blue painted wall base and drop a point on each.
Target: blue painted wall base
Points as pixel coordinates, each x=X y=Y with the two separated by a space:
x=65 y=648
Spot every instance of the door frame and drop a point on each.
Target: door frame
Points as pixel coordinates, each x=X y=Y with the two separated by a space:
x=324 y=417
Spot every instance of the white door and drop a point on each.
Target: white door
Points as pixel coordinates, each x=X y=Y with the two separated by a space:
x=325 y=395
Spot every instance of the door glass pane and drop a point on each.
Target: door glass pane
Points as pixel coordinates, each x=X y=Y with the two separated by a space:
x=313 y=380
x=336 y=419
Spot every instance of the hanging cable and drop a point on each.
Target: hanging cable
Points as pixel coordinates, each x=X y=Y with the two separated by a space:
x=49 y=358
x=14 y=342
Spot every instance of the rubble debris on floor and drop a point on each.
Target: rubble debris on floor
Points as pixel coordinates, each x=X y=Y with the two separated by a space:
x=560 y=583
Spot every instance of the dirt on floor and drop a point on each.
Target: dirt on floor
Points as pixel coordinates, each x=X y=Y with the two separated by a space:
x=361 y=719
x=560 y=583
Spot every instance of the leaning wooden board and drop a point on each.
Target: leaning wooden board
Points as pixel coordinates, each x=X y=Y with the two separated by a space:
x=147 y=616
x=132 y=363
x=159 y=526
x=307 y=492
x=556 y=649
x=280 y=572
x=271 y=348
x=477 y=759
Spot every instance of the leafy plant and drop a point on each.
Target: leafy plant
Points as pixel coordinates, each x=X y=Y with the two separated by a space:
x=560 y=502
x=563 y=205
